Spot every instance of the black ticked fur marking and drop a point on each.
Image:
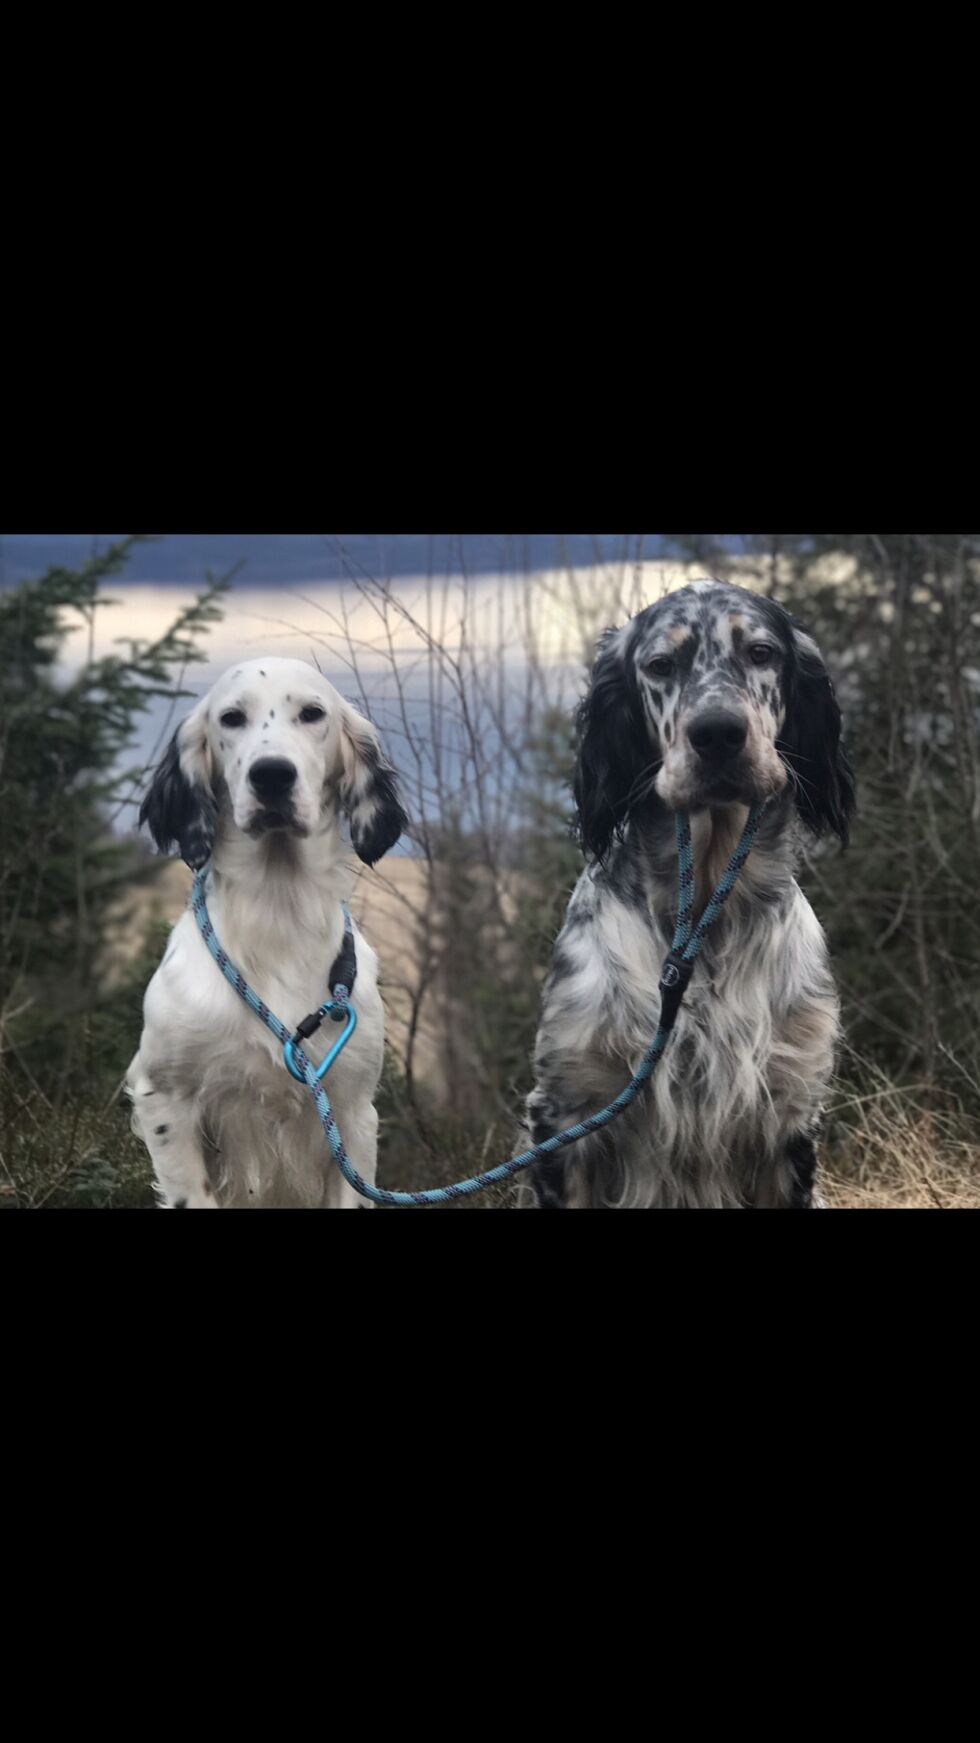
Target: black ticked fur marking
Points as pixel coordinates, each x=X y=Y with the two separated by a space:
x=810 y=741
x=616 y=764
x=801 y=1154
x=547 y=1177
x=179 y=813
x=372 y=805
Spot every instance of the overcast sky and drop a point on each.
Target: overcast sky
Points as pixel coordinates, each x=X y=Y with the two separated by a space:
x=292 y=559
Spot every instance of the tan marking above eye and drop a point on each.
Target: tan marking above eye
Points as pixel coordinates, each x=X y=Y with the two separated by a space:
x=678 y=635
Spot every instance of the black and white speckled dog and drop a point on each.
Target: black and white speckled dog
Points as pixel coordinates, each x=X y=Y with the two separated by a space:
x=711 y=700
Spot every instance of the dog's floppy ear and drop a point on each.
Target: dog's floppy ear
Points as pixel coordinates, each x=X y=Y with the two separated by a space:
x=180 y=808
x=615 y=755
x=368 y=792
x=811 y=742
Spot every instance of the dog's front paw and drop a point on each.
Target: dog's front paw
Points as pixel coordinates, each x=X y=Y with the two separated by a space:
x=204 y=1200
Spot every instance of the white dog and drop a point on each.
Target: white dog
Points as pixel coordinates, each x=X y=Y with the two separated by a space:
x=255 y=779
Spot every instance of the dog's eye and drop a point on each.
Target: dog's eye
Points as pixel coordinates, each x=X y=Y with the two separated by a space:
x=760 y=653
x=310 y=713
x=233 y=717
x=660 y=666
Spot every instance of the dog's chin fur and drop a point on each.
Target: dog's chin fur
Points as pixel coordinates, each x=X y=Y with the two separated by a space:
x=744 y=785
x=708 y=795
x=263 y=823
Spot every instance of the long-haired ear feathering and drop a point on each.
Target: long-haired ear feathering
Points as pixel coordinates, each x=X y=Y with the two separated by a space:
x=368 y=790
x=811 y=743
x=179 y=808
x=615 y=764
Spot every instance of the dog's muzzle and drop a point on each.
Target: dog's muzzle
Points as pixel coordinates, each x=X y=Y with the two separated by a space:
x=718 y=735
x=272 y=780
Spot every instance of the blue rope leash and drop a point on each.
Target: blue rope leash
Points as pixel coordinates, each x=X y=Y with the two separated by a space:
x=677 y=970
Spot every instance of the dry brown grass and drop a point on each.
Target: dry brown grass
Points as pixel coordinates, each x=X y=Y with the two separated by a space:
x=888 y=1151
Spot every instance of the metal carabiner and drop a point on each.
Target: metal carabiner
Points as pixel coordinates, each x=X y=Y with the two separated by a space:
x=327 y=1010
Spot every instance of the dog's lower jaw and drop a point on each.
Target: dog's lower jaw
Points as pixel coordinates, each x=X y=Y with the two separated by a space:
x=266 y=826
x=272 y=822
x=739 y=789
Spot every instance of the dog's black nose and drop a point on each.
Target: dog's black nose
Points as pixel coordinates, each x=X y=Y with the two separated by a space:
x=272 y=777
x=717 y=734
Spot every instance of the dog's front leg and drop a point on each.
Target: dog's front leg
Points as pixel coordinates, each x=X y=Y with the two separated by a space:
x=559 y=1182
x=169 y=1127
x=801 y=1156
x=786 y=1183
x=360 y=1134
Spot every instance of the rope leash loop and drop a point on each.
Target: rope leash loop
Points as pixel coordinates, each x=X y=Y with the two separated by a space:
x=675 y=977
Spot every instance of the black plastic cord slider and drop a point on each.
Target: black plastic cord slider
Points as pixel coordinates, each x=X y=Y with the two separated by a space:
x=674 y=978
